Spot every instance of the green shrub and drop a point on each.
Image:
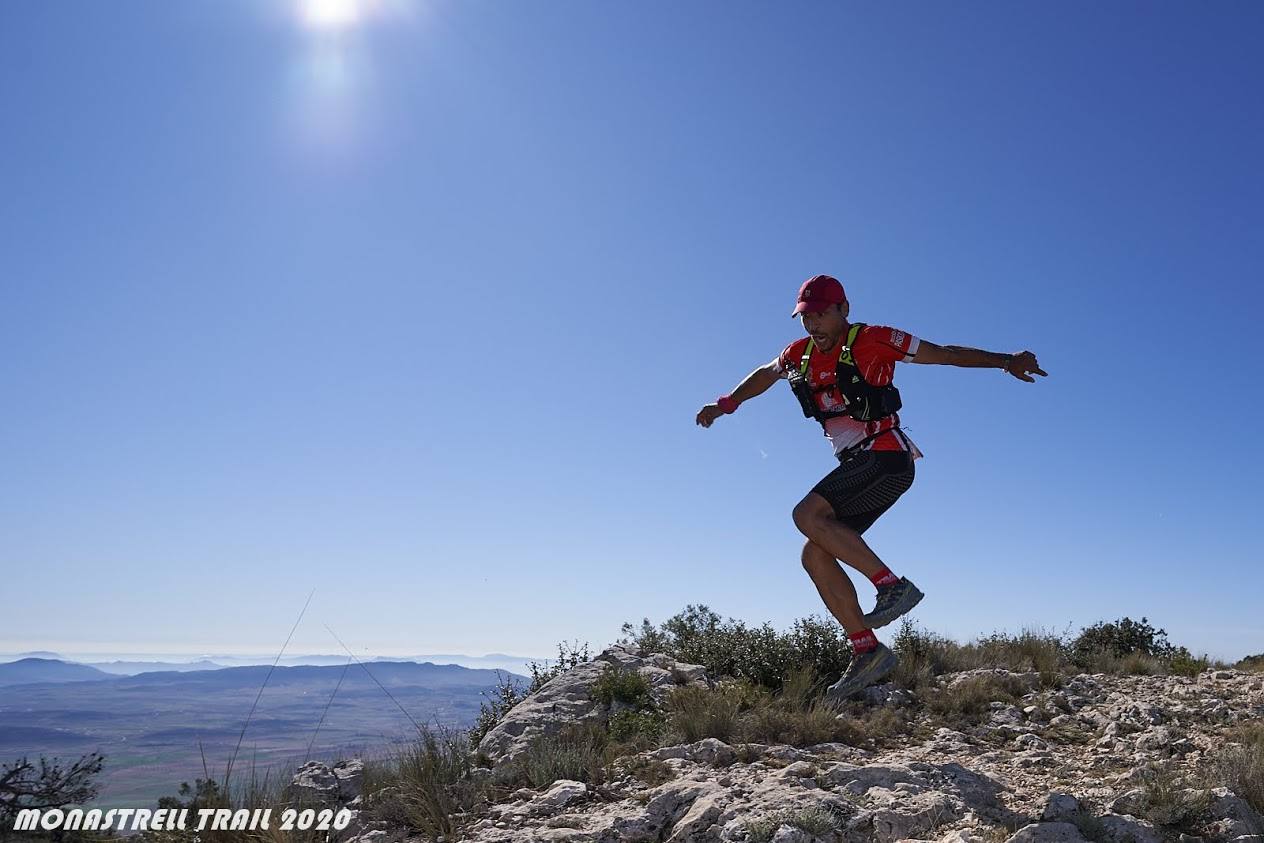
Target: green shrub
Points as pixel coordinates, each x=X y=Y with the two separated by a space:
x=627 y=686
x=1183 y=664
x=1253 y=663
x=1134 y=648
x=741 y=712
x=765 y=657
x=731 y=649
x=1120 y=638
x=507 y=693
x=637 y=728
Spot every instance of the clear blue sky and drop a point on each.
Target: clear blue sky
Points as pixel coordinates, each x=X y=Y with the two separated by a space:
x=414 y=304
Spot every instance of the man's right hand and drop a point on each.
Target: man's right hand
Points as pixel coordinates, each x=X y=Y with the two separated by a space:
x=708 y=414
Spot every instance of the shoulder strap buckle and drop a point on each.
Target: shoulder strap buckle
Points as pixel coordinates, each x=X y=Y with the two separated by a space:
x=852 y=333
x=807 y=357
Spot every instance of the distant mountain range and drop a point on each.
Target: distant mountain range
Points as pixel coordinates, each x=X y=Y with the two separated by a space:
x=131 y=668
x=155 y=727
x=133 y=664
x=28 y=670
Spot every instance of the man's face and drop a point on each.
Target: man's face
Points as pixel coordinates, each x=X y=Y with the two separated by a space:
x=826 y=327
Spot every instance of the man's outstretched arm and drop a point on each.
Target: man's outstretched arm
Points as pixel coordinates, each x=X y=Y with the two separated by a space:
x=1022 y=365
x=757 y=382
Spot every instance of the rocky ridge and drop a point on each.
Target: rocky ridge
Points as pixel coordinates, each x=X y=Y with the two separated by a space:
x=1078 y=762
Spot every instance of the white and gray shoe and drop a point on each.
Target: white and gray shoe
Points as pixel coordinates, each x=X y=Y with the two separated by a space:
x=894 y=600
x=865 y=669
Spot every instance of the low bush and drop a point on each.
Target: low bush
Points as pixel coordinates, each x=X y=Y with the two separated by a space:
x=1170 y=801
x=729 y=648
x=577 y=751
x=1252 y=663
x=637 y=729
x=626 y=686
x=816 y=820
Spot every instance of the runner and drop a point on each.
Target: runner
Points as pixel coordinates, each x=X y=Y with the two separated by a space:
x=842 y=373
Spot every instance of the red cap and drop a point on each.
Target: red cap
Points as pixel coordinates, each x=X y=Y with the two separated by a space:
x=818 y=293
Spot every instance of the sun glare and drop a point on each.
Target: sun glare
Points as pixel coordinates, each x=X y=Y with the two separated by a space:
x=330 y=14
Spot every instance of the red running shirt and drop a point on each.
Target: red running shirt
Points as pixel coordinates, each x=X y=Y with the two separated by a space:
x=876 y=351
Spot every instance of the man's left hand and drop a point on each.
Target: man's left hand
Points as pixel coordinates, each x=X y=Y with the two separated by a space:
x=1023 y=365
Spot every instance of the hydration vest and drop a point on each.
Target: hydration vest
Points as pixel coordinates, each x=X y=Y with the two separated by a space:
x=864 y=402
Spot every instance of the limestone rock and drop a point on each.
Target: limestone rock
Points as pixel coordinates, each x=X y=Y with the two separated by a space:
x=567 y=698
x=1060 y=807
x=1117 y=828
x=560 y=794
x=318 y=782
x=1048 y=833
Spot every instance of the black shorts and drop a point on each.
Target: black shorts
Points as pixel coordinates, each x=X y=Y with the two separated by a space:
x=865 y=485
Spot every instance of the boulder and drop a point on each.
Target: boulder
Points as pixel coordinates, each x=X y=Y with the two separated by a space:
x=1117 y=828
x=567 y=698
x=317 y=782
x=1060 y=807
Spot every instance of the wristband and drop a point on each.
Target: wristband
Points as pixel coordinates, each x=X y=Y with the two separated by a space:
x=726 y=403
x=1009 y=358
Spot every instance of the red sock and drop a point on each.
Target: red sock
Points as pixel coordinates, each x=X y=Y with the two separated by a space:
x=884 y=577
x=864 y=641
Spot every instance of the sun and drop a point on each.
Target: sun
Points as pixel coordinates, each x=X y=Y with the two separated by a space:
x=330 y=14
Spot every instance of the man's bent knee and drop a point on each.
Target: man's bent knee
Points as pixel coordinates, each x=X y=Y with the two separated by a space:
x=810 y=509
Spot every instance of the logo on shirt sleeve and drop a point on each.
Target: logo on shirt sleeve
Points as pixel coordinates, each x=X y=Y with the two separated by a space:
x=897 y=337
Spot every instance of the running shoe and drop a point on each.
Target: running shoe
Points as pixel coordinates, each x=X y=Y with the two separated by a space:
x=894 y=600
x=865 y=669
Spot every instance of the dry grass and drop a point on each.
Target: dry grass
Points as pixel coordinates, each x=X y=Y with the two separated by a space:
x=1069 y=733
x=1240 y=766
x=578 y=751
x=695 y=713
x=1170 y=801
x=426 y=786
x=651 y=771
x=816 y=820
x=969 y=701
x=248 y=791
x=797 y=715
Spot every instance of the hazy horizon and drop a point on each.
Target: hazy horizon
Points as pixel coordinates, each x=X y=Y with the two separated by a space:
x=1229 y=655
